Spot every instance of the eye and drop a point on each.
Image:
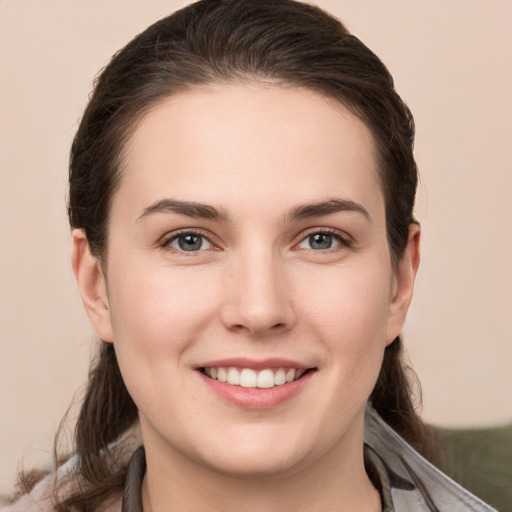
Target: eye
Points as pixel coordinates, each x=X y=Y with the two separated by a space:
x=189 y=242
x=321 y=241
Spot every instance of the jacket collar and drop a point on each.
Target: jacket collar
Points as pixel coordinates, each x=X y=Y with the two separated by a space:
x=414 y=483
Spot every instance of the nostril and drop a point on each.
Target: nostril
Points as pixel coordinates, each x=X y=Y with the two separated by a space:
x=257 y=319
x=256 y=329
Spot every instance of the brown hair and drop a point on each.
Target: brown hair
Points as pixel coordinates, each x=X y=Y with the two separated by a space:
x=279 y=41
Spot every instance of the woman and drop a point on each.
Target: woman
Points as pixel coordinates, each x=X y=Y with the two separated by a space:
x=241 y=194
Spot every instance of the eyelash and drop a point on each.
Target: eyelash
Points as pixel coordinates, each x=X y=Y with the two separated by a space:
x=342 y=239
x=166 y=240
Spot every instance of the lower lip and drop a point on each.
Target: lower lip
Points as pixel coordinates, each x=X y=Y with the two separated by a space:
x=257 y=398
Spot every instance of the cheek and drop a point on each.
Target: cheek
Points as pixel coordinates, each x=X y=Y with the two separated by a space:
x=158 y=315
x=161 y=310
x=348 y=312
x=349 y=303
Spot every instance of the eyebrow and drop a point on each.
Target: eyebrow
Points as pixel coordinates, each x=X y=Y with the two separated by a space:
x=328 y=207
x=205 y=211
x=187 y=208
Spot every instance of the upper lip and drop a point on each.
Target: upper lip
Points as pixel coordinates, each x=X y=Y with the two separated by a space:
x=255 y=364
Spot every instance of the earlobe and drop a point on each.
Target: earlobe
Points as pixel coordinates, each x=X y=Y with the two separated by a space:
x=405 y=275
x=92 y=285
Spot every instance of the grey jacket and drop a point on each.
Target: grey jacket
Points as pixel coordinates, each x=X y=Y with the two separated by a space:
x=410 y=481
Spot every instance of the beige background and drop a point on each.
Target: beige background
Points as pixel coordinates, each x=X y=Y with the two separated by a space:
x=452 y=64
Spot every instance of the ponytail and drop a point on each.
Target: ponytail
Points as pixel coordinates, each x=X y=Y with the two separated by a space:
x=393 y=397
x=107 y=413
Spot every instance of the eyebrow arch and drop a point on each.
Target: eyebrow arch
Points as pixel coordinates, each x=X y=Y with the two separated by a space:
x=325 y=208
x=187 y=208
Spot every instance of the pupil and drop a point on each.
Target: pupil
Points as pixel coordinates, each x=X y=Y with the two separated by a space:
x=190 y=242
x=320 y=241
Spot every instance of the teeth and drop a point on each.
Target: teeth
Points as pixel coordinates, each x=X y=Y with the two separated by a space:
x=222 y=375
x=299 y=373
x=280 y=377
x=249 y=378
x=266 y=379
x=233 y=377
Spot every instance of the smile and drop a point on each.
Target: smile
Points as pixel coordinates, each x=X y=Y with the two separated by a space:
x=250 y=378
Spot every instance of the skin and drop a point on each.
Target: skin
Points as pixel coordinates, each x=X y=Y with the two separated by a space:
x=257 y=288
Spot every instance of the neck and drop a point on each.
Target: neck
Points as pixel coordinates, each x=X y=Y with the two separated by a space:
x=335 y=482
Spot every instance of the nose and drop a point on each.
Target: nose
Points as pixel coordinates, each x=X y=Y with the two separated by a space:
x=258 y=296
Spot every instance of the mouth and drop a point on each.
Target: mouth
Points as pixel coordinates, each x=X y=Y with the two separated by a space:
x=264 y=378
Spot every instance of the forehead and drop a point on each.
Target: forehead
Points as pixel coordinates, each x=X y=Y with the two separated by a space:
x=225 y=144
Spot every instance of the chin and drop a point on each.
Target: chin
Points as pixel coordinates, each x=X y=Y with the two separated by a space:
x=258 y=466
x=262 y=452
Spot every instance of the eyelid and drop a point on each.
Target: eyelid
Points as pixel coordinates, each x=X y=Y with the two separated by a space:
x=344 y=238
x=164 y=241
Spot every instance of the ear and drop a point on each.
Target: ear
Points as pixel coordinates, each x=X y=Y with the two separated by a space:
x=403 y=284
x=92 y=285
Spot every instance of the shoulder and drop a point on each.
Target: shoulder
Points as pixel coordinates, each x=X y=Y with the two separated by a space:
x=38 y=500
x=42 y=497
x=414 y=483
x=63 y=481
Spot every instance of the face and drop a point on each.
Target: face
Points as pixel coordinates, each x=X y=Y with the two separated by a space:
x=249 y=289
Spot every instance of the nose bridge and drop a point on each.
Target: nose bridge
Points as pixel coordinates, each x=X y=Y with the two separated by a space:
x=259 y=299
